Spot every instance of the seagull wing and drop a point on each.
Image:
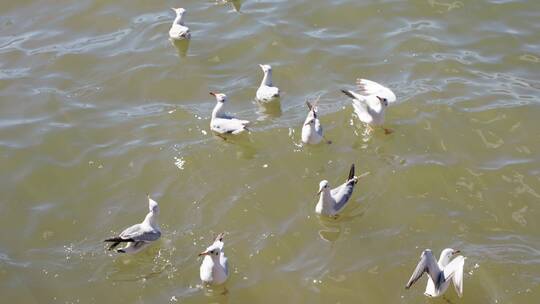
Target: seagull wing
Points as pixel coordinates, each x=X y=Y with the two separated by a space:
x=140 y=233
x=454 y=271
x=360 y=106
x=368 y=87
x=343 y=193
x=178 y=31
x=224 y=262
x=233 y=125
x=318 y=127
x=427 y=264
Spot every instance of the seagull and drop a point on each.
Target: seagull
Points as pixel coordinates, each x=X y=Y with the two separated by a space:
x=266 y=92
x=214 y=267
x=332 y=201
x=370 y=102
x=178 y=29
x=312 y=132
x=440 y=273
x=140 y=235
x=223 y=124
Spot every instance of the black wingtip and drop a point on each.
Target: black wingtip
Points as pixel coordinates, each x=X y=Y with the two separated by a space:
x=121 y=251
x=351 y=172
x=308 y=104
x=346 y=92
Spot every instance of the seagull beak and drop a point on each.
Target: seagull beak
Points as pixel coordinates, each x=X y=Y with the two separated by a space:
x=203 y=253
x=173 y=9
x=456 y=252
x=261 y=66
x=319 y=192
x=212 y=93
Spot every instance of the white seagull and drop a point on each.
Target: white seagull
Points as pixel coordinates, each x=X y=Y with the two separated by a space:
x=312 y=132
x=178 y=29
x=223 y=124
x=214 y=267
x=441 y=273
x=140 y=235
x=332 y=201
x=266 y=92
x=370 y=102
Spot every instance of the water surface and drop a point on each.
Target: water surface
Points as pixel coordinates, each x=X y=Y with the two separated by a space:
x=98 y=108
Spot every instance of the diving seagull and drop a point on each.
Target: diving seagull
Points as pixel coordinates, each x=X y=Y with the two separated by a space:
x=179 y=30
x=312 y=131
x=371 y=102
x=332 y=201
x=140 y=235
x=214 y=267
x=266 y=92
x=223 y=124
x=441 y=273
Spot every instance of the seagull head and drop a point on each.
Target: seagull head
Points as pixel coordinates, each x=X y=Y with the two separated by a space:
x=447 y=254
x=153 y=205
x=266 y=68
x=310 y=122
x=179 y=11
x=323 y=185
x=383 y=101
x=220 y=97
x=215 y=249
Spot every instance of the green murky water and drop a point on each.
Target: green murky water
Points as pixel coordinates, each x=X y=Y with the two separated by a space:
x=97 y=108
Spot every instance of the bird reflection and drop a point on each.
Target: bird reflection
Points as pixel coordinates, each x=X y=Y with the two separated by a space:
x=181 y=46
x=332 y=230
x=236 y=4
x=269 y=109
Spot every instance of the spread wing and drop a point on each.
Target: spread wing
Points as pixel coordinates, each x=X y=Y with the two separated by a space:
x=368 y=87
x=454 y=271
x=360 y=106
x=139 y=233
x=427 y=264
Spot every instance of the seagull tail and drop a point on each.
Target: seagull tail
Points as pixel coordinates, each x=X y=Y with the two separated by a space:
x=351 y=175
x=348 y=93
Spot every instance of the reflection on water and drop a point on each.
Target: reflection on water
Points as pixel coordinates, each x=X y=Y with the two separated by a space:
x=181 y=46
x=267 y=110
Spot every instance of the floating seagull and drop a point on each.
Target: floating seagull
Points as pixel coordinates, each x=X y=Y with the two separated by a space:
x=222 y=123
x=178 y=30
x=440 y=273
x=371 y=102
x=214 y=267
x=266 y=92
x=140 y=235
x=312 y=132
x=332 y=201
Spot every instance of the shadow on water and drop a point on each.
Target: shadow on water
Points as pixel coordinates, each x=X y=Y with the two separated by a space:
x=181 y=46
